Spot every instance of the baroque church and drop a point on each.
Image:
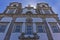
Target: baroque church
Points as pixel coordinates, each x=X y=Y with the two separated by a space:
x=29 y=23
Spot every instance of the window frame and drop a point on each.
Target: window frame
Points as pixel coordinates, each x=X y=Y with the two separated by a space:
x=4 y=29
x=46 y=11
x=54 y=27
x=14 y=28
x=10 y=11
x=43 y=29
x=31 y=30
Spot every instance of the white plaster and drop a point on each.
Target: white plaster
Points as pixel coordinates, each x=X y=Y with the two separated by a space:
x=51 y=20
x=6 y=19
x=34 y=27
x=42 y=36
x=15 y=36
x=29 y=35
x=56 y=36
x=2 y=35
x=23 y=28
x=37 y=19
x=50 y=11
x=20 y=19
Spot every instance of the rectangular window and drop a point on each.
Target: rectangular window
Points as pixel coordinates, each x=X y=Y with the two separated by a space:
x=55 y=29
x=11 y=11
x=41 y=12
x=40 y=29
x=46 y=11
x=17 y=28
x=2 y=28
x=29 y=30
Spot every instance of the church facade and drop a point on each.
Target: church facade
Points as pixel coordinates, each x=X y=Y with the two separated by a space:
x=29 y=23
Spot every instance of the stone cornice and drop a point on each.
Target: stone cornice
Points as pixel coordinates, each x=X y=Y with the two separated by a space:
x=30 y=15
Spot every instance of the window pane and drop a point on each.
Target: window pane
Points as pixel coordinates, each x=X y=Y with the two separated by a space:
x=46 y=11
x=17 y=29
x=11 y=11
x=29 y=30
x=41 y=11
x=2 y=28
x=6 y=19
x=55 y=29
x=40 y=29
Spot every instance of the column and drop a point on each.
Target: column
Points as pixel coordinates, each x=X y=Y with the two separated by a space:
x=23 y=28
x=49 y=27
x=8 y=34
x=34 y=27
x=58 y=25
x=48 y=30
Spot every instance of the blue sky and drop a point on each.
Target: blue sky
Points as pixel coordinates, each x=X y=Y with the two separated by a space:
x=55 y=4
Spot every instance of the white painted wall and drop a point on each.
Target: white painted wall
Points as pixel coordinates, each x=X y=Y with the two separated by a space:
x=2 y=35
x=34 y=27
x=23 y=27
x=6 y=19
x=15 y=36
x=24 y=20
x=28 y=35
x=20 y=19
x=56 y=36
x=51 y=20
x=37 y=20
x=42 y=36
